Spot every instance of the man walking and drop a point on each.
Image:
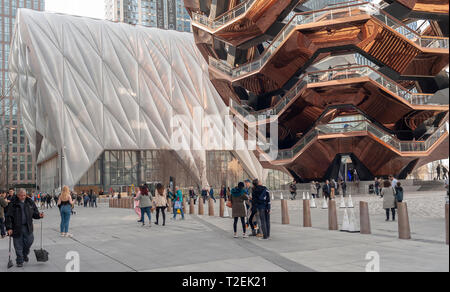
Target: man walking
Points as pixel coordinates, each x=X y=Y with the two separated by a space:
x=438 y=171
x=3 y=204
x=19 y=223
x=327 y=190
x=444 y=172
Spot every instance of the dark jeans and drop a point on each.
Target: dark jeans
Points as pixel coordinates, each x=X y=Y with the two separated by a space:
x=144 y=211
x=22 y=244
x=236 y=219
x=94 y=203
x=2 y=227
x=265 y=222
x=393 y=213
x=293 y=195
x=163 y=212
x=212 y=197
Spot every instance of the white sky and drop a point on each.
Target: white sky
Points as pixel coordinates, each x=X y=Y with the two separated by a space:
x=90 y=8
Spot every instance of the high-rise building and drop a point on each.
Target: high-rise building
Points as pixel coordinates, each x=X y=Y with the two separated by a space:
x=20 y=167
x=165 y=14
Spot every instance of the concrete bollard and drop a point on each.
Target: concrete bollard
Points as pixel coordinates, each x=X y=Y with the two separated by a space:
x=364 y=218
x=184 y=207
x=284 y=212
x=332 y=216
x=201 y=207
x=307 y=214
x=222 y=208
x=210 y=207
x=446 y=223
x=404 y=230
x=191 y=207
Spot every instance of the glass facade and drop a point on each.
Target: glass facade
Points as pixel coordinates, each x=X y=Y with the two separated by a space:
x=165 y=14
x=119 y=170
x=19 y=162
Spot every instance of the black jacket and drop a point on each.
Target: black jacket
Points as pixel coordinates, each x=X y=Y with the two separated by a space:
x=261 y=198
x=14 y=216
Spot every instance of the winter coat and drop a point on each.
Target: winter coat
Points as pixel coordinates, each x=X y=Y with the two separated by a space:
x=144 y=201
x=261 y=198
x=160 y=201
x=388 y=198
x=238 y=197
x=3 y=205
x=14 y=216
x=399 y=194
x=313 y=189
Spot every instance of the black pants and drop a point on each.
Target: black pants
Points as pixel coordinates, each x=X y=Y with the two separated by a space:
x=2 y=227
x=393 y=213
x=265 y=222
x=236 y=219
x=22 y=244
x=94 y=203
x=293 y=195
x=163 y=212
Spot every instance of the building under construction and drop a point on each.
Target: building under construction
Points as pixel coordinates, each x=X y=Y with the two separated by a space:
x=359 y=88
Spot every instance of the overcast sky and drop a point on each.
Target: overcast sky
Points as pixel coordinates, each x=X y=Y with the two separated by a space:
x=91 y=8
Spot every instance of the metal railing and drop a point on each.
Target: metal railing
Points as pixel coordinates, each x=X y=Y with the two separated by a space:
x=333 y=75
x=333 y=13
x=362 y=126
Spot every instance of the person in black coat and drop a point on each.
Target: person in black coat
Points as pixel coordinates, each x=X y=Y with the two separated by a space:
x=327 y=190
x=261 y=199
x=19 y=224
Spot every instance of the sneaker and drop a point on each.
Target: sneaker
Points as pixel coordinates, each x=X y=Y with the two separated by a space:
x=69 y=235
x=259 y=235
x=26 y=259
x=20 y=265
x=262 y=238
x=156 y=223
x=63 y=234
x=235 y=236
x=245 y=236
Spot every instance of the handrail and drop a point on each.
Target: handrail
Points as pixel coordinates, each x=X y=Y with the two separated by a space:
x=364 y=7
x=362 y=126
x=332 y=75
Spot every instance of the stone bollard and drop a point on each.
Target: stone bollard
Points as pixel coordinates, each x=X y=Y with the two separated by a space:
x=210 y=207
x=284 y=212
x=307 y=214
x=404 y=230
x=191 y=207
x=222 y=208
x=446 y=223
x=110 y=203
x=364 y=218
x=332 y=216
x=201 y=207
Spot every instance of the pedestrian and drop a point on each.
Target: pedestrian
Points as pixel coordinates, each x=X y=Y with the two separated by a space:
x=178 y=204
x=377 y=186
x=393 y=181
x=238 y=199
x=318 y=188
x=19 y=224
x=91 y=200
x=86 y=200
x=261 y=198
x=444 y=172
x=326 y=189
x=160 y=203
x=388 y=194
x=204 y=194
x=438 y=171
x=293 y=190
x=192 y=195
x=94 y=200
x=48 y=198
x=3 y=204
x=55 y=200
x=79 y=198
x=65 y=204
x=211 y=194
x=313 y=189
x=344 y=188
x=145 y=203
x=223 y=192
x=399 y=192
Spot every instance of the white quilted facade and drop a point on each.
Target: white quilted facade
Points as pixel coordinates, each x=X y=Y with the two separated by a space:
x=85 y=85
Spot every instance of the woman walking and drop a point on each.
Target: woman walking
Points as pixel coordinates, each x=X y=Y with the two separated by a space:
x=178 y=204
x=388 y=194
x=145 y=203
x=238 y=197
x=65 y=208
x=160 y=202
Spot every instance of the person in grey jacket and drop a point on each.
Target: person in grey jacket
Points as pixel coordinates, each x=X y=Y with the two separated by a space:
x=389 y=202
x=238 y=197
x=145 y=203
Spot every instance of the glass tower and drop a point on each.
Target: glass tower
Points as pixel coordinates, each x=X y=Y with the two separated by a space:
x=165 y=14
x=18 y=163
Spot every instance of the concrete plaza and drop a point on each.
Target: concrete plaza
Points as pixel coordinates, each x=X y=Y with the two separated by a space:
x=111 y=240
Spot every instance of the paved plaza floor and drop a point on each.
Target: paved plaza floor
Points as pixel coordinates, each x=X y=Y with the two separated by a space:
x=111 y=240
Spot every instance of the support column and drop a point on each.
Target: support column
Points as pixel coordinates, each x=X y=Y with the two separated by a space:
x=332 y=216
x=364 y=218
x=404 y=230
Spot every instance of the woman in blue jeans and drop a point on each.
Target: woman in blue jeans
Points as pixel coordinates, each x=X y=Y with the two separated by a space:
x=65 y=207
x=145 y=203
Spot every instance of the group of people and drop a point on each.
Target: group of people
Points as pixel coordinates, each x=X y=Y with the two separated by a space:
x=87 y=199
x=441 y=169
x=391 y=191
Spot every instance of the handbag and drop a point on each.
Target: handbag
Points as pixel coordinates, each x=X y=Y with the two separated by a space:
x=229 y=204
x=177 y=205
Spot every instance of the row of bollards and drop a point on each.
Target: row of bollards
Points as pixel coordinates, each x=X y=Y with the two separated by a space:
x=404 y=230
